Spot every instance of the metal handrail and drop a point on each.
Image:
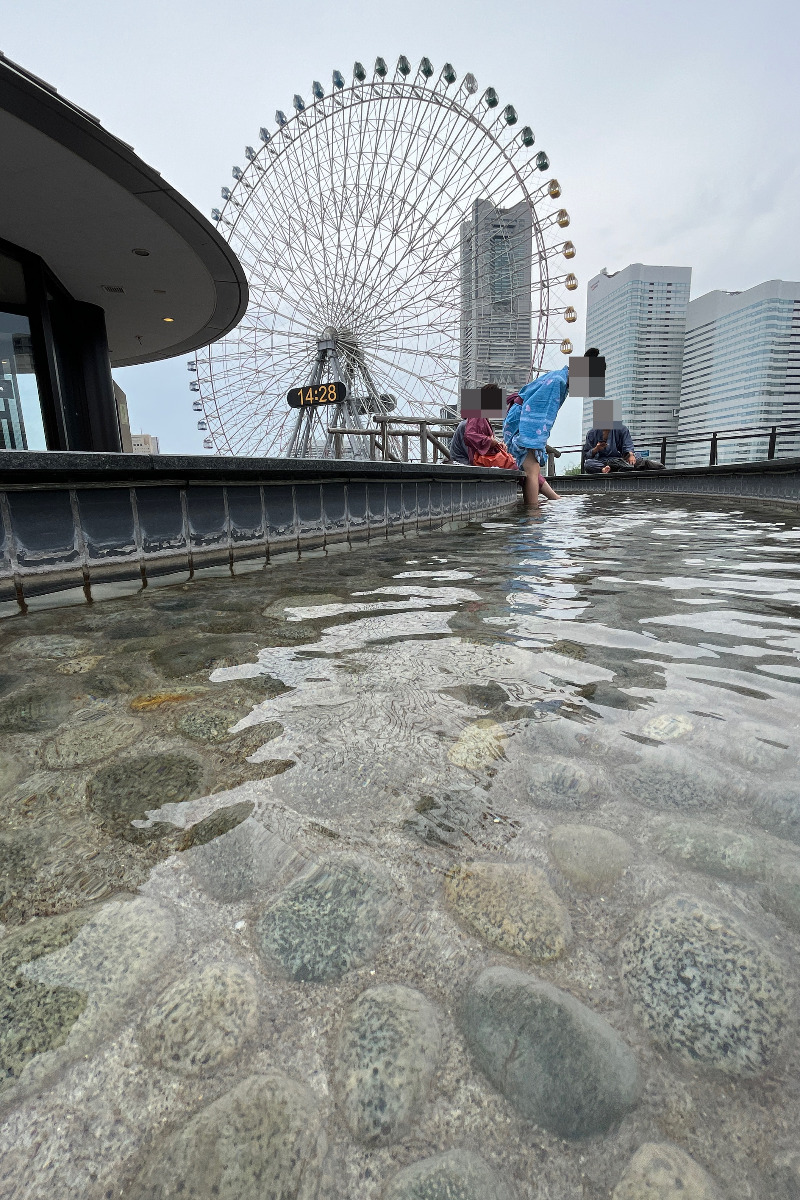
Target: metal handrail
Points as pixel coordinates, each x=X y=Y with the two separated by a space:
x=745 y=433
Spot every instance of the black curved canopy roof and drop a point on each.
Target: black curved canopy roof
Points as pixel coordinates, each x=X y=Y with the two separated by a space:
x=84 y=202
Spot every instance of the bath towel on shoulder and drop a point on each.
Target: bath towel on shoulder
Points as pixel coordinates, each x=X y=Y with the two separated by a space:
x=532 y=412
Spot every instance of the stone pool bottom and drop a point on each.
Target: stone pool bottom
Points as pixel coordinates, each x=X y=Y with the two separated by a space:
x=457 y=869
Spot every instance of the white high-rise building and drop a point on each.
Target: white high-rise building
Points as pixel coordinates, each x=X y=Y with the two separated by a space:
x=636 y=318
x=741 y=369
x=496 y=341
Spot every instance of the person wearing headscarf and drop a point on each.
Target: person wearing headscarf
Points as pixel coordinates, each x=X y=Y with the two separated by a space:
x=530 y=417
x=479 y=438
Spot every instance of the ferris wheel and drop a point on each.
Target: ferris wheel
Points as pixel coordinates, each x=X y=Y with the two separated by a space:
x=401 y=241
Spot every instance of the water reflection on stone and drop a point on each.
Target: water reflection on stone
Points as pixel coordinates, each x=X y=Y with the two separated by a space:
x=465 y=867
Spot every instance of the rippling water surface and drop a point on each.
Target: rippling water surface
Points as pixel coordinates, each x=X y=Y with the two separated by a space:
x=465 y=867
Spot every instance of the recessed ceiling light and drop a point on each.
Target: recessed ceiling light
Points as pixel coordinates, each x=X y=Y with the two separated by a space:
x=142 y=253
x=169 y=318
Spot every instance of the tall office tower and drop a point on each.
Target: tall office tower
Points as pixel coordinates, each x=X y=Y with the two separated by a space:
x=496 y=342
x=637 y=319
x=741 y=369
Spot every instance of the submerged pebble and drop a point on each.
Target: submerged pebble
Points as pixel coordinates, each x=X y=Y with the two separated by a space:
x=263 y=1140
x=326 y=922
x=715 y=849
x=560 y=783
x=99 y=736
x=35 y=1017
x=510 y=906
x=704 y=986
x=661 y=1171
x=592 y=859
x=202 y=1021
x=386 y=1054
x=454 y=1175
x=558 y=1062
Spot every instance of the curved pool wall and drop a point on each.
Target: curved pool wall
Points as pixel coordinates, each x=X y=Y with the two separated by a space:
x=81 y=521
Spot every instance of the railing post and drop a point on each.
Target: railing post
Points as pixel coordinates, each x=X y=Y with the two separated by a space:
x=373 y=441
x=404 y=442
x=773 y=438
x=385 y=432
x=664 y=450
x=712 y=454
x=423 y=441
x=551 y=466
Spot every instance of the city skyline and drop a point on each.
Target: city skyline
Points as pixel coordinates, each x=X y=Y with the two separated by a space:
x=654 y=166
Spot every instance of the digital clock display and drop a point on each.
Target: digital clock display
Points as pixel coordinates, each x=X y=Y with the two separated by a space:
x=316 y=393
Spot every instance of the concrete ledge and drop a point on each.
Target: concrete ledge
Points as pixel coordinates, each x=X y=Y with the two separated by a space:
x=775 y=480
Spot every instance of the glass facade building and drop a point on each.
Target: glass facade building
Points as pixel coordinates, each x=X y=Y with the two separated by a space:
x=741 y=369
x=636 y=318
x=496 y=341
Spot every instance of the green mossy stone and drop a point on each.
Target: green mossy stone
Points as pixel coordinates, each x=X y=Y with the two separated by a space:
x=35 y=1017
x=386 y=1055
x=34 y=710
x=454 y=1175
x=559 y=1063
x=705 y=987
x=261 y=1141
x=202 y=653
x=325 y=923
x=127 y=789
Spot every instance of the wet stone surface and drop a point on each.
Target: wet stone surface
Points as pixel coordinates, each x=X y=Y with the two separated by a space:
x=454 y=1175
x=210 y=966
x=511 y=907
x=386 y=1055
x=591 y=859
x=560 y=1064
x=326 y=923
x=659 y=1171
x=705 y=987
x=202 y=1021
x=125 y=790
x=261 y=1140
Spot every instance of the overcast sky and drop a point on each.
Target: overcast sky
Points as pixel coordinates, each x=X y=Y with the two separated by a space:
x=672 y=127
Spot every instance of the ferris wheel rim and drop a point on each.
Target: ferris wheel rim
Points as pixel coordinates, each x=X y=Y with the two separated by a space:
x=294 y=138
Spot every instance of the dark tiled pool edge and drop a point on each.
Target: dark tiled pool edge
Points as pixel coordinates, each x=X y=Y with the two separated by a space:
x=773 y=482
x=84 y=524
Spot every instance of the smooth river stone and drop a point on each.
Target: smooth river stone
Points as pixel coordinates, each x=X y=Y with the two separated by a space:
x=202 y=1021
x=704 y=986
x=559 y=1063
x=385 y=1059
x=478 y=745
x=127 y=789
x=592 y=859
x=99 y=737
x=726 y=853
x=510 y=906
x=562 y=784
x=326 y=922
x=660 y=1171
x=454 y=1175
x=781 y=893
x=35 y=1018
x=261 y=1141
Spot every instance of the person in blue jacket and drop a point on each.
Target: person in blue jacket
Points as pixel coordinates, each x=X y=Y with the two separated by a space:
x=527 y=426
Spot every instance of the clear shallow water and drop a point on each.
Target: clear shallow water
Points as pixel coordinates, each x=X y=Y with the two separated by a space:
x=483 y=844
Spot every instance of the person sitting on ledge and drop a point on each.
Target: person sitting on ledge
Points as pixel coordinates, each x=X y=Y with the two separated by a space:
x=612 y=450
x=458 y=446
